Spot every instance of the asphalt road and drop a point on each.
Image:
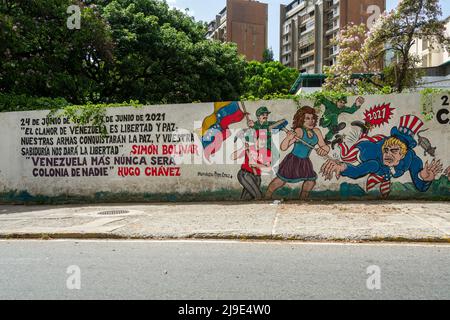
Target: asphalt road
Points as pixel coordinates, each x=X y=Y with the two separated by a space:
x=221 y=270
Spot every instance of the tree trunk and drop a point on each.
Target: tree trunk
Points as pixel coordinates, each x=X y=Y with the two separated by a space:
x=402 y=72
x=405 y=52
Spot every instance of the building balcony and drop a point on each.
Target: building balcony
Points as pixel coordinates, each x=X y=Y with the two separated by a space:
x=308 y=64
x=332 y=29
x=310 y=24
x=302 y=33
x=211 y=26
x=223 y=25
x=223 y=18
x=305 y=43
x=294 y=8
x=306 y=19
x=223 y=14
x=331 y=4
x=333 y=52
x=307 y=54
x=330 y=56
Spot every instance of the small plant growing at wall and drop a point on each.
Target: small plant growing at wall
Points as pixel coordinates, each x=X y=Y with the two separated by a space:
x=427 y=97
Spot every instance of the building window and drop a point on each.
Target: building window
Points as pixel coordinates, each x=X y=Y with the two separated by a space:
x=306 y=60
x=287 y=28
x=307 y=49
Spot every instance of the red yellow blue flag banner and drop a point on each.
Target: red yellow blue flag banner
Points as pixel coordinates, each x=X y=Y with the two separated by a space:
x=215 y=126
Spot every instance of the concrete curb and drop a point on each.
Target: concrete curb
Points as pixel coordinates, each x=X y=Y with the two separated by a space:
x=103 y=236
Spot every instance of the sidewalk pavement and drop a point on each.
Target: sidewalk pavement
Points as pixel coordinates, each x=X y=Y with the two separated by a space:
x=315 y=221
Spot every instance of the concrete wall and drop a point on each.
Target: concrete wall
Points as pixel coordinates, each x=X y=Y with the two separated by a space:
x=62 y=162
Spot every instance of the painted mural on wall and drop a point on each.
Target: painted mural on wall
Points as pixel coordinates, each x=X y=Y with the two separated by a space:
x=373 y=147
x=383 y=158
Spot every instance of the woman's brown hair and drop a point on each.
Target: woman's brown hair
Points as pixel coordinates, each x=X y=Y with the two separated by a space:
x=299 y=117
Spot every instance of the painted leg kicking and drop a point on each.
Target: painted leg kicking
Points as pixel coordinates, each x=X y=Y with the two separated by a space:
x=351 y=155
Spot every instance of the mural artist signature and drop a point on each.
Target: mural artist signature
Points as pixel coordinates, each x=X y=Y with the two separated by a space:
x=215 y=174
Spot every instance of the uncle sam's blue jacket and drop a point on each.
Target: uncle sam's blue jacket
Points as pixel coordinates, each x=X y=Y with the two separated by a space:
x=371 y=157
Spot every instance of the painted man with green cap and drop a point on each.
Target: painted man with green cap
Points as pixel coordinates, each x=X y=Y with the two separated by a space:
x=330 y=117
x=258 y=153
x=262 y=123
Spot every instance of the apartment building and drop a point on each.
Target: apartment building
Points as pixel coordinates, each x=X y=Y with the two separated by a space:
x=431 y=55
x=307 y=28
x=243 y=22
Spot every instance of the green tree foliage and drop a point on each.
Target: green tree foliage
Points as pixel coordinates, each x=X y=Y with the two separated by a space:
x=125 y=50
x=267 y=79
x=40 y=56
x=11 y=102
x=268 y=55
x=163 y=56
x=400 y=29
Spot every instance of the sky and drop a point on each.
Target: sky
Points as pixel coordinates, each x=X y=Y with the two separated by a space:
x=206 y=10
